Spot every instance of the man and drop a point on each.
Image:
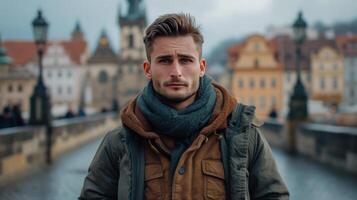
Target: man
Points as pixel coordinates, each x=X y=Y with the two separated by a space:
x=183 y=137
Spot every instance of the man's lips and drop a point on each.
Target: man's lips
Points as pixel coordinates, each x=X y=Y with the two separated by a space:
x=175 y=84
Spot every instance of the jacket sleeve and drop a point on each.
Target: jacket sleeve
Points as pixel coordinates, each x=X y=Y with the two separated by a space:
x=265 y=181
x=101 y=181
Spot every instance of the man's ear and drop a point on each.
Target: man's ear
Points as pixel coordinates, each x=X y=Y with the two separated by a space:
x=147 y=69
x=202 y=67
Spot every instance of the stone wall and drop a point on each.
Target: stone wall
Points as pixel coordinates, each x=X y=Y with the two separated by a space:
x=24 y=149
x=21 y=149
x=333 y=145
x=274 y=132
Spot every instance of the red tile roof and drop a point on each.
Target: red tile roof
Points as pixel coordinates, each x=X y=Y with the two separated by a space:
x=20 y=51
x=347 y=44
x=23 y=52
x=75 y=49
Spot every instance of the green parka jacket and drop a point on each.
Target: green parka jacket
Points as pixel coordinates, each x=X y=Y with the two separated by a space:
x=117 y=170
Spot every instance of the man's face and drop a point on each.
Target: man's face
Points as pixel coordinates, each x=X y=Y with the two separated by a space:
x=175 y=68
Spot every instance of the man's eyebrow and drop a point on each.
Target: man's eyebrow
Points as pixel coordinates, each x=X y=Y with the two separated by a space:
x=186 y=56
x=164 y=57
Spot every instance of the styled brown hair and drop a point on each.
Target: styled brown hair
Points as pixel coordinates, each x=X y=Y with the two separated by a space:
x=172 y=25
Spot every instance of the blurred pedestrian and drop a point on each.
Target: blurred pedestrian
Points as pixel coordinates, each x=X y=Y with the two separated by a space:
x=69 y=113
x=17 y=115
x=6 y=119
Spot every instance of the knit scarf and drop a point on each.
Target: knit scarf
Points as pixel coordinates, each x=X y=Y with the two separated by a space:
x=183 y=125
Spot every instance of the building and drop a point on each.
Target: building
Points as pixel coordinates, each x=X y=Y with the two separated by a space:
x=101 y=76
x=347 y=44
x=16 y=83
x=132 y=51
x=257 y=76
x=63 y=67
x=327 y=76
x=286 y=54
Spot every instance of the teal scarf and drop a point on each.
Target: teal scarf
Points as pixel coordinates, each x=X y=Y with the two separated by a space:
x=182 y=125
x=178 y=123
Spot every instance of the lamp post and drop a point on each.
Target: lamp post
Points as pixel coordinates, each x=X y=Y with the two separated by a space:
x=298 y=100
x=40 y=112
x=40 y=102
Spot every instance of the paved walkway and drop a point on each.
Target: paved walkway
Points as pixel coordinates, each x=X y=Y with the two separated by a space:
x=63 y=180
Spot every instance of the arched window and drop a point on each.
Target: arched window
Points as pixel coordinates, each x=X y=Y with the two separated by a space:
x=131 y=40
x=103 y=77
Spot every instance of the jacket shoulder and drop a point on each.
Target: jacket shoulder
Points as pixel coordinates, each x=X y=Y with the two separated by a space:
x=116 y=138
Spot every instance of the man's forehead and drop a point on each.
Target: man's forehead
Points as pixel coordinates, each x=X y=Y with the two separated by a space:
x=180 y=45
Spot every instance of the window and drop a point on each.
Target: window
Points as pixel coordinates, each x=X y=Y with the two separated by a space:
x=59 y=90
x=273 y=83
x=19 y=88
x=256 y=63
x=9 y=88
x=131 y=40
x=103 y=77
x=49 y=74
x=59 y=74
x=322 y=83
x=251 y=83
x=69 y=74
x=262 y=83
x=335 y=83
x=241 y=83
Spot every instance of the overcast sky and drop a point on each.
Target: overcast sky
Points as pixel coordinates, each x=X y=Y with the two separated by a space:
x=219 y=19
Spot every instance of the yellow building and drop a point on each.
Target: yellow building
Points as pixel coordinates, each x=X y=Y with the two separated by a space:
x=16 y=84
x=257 y=76
x=327 y=75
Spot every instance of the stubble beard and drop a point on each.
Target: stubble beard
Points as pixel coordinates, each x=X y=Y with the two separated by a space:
x=175 y=100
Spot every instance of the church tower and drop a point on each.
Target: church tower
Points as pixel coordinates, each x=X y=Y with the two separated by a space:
x=77 y=33
x=132 y=51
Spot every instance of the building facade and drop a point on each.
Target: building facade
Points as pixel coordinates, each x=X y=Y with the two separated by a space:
x=16 y=84
x=101 y=76
x=257 y=75
x=63 y=67
x=327 y=76
x=348 y=46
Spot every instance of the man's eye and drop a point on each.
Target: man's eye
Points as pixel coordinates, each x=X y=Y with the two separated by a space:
x=185 y=61
x=164 y=61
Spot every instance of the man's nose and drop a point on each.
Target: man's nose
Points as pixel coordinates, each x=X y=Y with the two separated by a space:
x=176 y=69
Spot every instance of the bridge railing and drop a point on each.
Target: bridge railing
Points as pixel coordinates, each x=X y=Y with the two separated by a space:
x=330 y=144
x=335 y=145
x=23 y=149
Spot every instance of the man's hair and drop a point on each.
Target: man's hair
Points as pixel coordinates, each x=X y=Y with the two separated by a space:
x=172 y=25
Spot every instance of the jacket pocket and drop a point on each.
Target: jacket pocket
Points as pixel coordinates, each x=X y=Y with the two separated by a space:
x=153 y=181
x=213 y=174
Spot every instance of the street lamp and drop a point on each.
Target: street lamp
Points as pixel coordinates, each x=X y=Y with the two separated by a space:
x=40 y=101
x=298 y=100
